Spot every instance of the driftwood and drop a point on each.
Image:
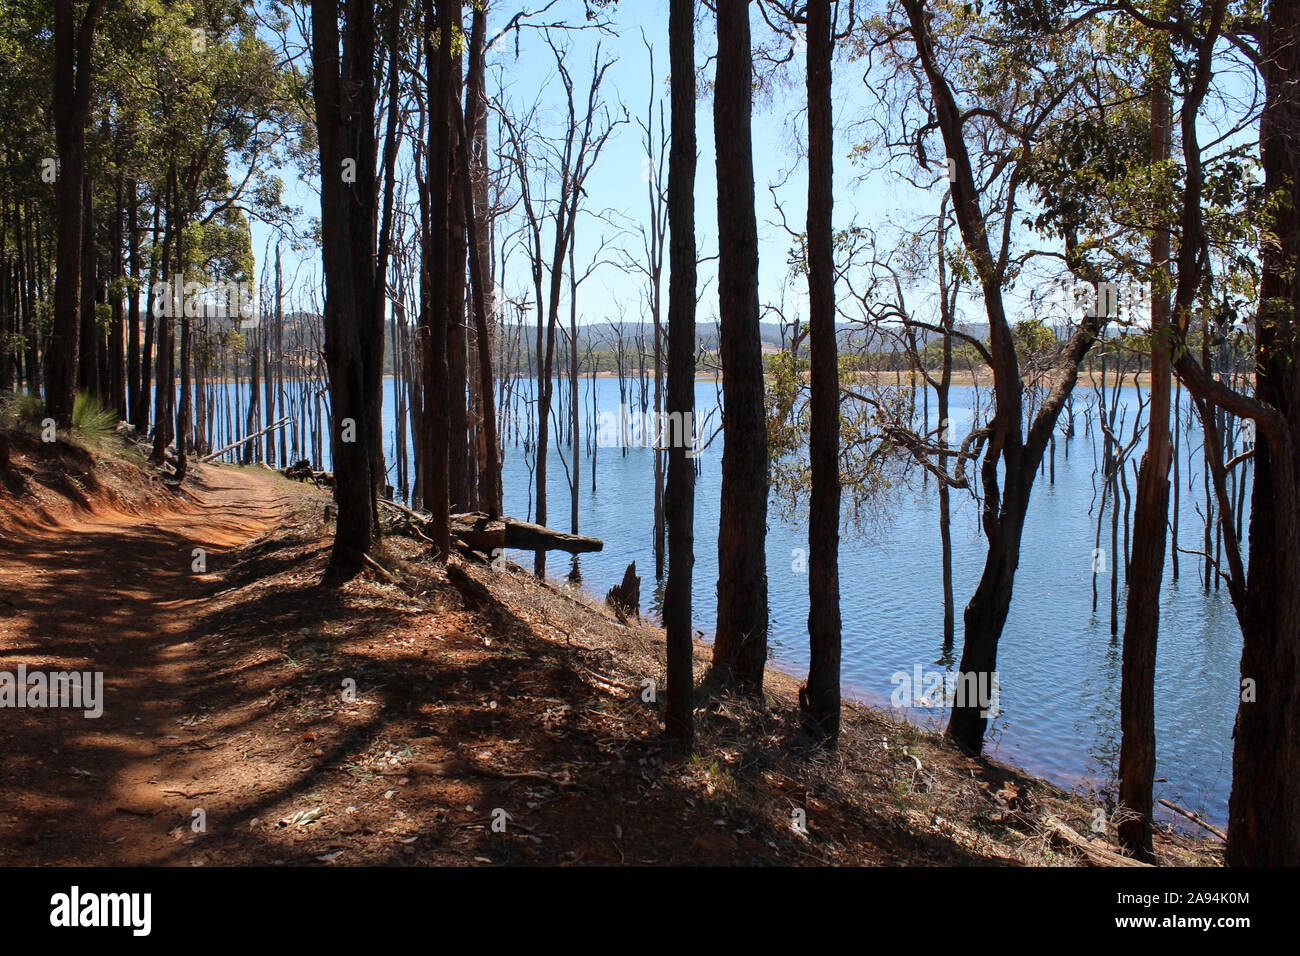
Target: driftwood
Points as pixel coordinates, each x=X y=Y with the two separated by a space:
x=1195 y=819
x=477 y=532
x=1094 y=851
x=625 y=599
x=483 y=534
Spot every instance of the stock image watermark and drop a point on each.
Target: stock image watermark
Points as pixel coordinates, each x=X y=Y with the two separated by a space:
x=632 y=428
x=74 y=909
x=227 y=302
x=34 y=689
x=936 y=689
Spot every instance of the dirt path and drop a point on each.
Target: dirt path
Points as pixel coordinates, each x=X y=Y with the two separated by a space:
x=106 y=591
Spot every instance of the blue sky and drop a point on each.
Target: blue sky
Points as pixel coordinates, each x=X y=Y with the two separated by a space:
x=617 y=181
x=873 y=198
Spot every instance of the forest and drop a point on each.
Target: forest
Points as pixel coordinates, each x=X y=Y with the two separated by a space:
x=934 y=365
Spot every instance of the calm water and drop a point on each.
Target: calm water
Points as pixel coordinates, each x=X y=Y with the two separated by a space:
x=1059 y=670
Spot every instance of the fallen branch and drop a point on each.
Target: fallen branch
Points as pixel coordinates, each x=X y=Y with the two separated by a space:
x=1093 y=850
x=245 y=439
x=1195 y=819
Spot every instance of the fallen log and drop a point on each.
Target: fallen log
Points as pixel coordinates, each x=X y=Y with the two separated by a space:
x=1093 y=850
x=525 y=536
x=245 y=440
x=487 y=535
x=302 y=471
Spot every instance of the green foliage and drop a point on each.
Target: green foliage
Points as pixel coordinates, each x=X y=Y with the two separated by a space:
x=864 y=457
x=91 y=421
x=1032 y=338
x=21 y=411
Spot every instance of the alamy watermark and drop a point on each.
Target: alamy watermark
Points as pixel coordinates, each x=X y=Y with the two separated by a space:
x=77 y=690
x=632 y=428
x=75 y=909
x=936 y=688
x=231 y=302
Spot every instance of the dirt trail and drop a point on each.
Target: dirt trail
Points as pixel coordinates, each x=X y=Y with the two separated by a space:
x=103 y=590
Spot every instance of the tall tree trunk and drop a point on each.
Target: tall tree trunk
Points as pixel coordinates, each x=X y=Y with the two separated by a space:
x=183 y=416
x=145 y=393
x=1264 y=807
x=71 y=109
x=740 y=646
x=437 y=432
x=133 y=301
x=473 y=140
x=821 y=697
x=1137 y=755
x=458 y=485
x=489 y=467
x=117 y=330
x=88 y=353
x=166 y=323
x=345 y=117
x=680 y=400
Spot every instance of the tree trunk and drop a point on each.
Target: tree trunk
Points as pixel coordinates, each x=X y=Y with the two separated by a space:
x=458 y=483
x=821 y=699
x=1264 y=807
x=71 y=108
x=1137 y=755
x=345 y=105
x=986 y=614
x=740 y=646
x=133 y=302
x=473 y=141
x=680 y=400
x=437 y=432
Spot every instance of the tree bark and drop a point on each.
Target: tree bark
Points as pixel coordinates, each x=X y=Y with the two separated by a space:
x=680 y=399
x=821 y=697
x=345 y=109
x=1264 y=807
x=1137 y=755
x=740 y=645
x=437 y=433
x=71 y=109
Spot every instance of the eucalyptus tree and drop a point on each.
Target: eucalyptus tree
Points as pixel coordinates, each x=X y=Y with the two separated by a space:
x=821 y=697
x=1215 y=199
x=345 y=95
x=979 y=91
x=679 y=402
x=740 y=643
